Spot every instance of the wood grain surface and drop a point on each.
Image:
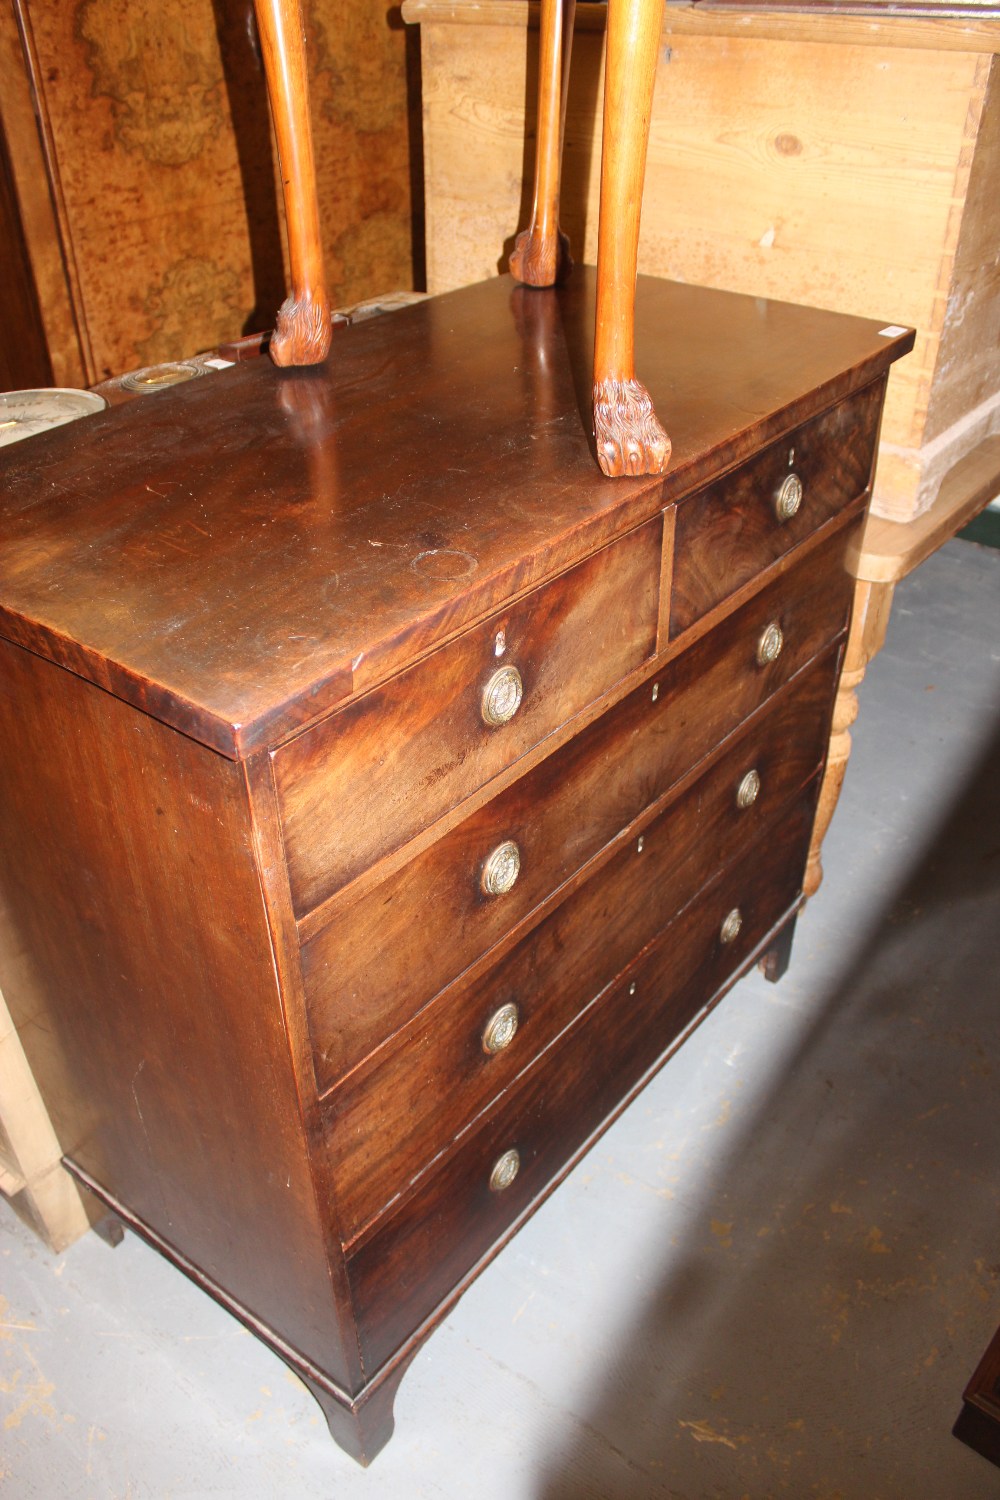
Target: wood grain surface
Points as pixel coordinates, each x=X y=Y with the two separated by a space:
x=426 y=1245
x=731 y=532
x=700 y=699
x=241 y=553
x=164 y=181
x=843 y=162
x=388 y=1120
x=168 y=1031
x=569 y=642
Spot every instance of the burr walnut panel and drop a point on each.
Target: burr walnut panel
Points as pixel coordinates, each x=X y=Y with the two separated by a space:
x=146 y=105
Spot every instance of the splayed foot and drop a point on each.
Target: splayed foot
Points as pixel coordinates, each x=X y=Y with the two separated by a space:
x=302 y=333
x=630 y=440
x=538 y=260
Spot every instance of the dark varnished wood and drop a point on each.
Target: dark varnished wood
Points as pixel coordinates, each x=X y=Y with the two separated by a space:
x=161 y=1032
x=732 y=532
x=360 y=1424
x=223 y=555
x=399 y=1111
x=570 y=642
x=978 y=1422
x=24 y=355
x=616 y=768
x=774 y=963
x=419 y=1250
x=287 y=580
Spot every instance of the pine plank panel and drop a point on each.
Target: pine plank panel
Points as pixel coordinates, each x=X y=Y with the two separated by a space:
x=837 y=161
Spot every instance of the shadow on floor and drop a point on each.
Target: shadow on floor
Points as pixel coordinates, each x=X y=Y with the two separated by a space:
x=834 y=1299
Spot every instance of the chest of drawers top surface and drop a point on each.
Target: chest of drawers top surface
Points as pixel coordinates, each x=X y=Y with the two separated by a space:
x=244 y=553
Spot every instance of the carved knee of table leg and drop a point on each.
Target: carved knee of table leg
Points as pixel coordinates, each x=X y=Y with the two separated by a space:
x=869 y=619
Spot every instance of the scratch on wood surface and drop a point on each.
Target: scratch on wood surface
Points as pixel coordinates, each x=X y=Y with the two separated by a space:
x=703 y=1432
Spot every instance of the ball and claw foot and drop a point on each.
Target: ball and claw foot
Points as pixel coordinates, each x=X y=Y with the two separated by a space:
x=538 y=260
x=302 y=333
x=629 y=437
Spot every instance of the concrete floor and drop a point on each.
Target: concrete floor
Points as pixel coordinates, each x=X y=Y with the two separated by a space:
x=772 y=1277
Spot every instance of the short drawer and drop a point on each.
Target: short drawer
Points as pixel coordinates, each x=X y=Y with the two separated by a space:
x=423 y=1247
x=389 y=1119
x=382 y=958
x=735 y=528
x=360 y=784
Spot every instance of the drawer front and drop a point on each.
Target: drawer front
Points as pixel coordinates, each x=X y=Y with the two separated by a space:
x=359 y=785
x=384 y=957
x=733 y=530
x=390 y=1119
x=423 y=1247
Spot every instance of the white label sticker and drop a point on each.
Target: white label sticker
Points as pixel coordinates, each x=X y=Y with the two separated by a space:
x=893 y=331
x=227 y=364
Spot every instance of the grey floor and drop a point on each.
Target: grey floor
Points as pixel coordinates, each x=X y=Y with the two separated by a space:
x=773 y=1275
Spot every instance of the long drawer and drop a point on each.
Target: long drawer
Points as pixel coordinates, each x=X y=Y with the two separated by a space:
x=367 y=779
x=734 y=529
x=423 y=1247
x=391 y=1118
x=383 y=957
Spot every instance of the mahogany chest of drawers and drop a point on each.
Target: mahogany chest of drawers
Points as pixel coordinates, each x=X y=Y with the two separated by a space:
x=385 y=793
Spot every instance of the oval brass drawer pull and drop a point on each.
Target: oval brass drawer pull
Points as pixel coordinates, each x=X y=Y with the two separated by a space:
x=749 y=789
x=770 y=644
x=500 y=1029
x=502 y=696
x=505 y=1169
x=730 y=929
x=501 y=869
x=789 y=497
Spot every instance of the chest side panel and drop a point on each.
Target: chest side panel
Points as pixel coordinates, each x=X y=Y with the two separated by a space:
x=127 y=866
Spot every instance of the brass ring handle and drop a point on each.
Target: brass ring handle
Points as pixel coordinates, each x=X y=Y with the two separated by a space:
x=502 y=696
x=788 y=500
x=770 y=644
x=749 y=789
x=500 y=1029
x=505 y=1169
x=730 y=929
x=501 y=869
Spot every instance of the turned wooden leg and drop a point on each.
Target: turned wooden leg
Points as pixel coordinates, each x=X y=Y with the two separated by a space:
x=630 y=440
x=541 y=252
x=302 y=334
x=866 y=637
